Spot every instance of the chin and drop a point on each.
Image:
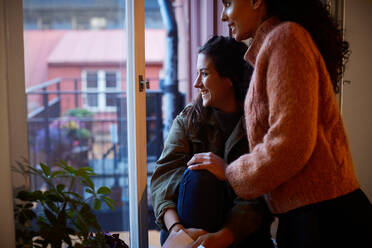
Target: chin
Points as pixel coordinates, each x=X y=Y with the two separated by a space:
x=206 y=104
x=241 y=37
x=236 y=37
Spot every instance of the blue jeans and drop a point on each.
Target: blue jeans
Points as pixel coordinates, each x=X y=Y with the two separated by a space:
x=204 y=201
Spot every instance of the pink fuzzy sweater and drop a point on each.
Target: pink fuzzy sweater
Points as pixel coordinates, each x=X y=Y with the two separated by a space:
x=299 y=150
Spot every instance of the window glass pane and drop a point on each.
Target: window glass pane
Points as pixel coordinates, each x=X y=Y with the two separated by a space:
x=92 y=99
x=111 y=80
x=69 y=47
x=111 y=99
x=92 y=80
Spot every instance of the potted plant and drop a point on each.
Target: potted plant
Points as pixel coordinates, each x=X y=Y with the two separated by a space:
x=83 y=115
x=58 y=216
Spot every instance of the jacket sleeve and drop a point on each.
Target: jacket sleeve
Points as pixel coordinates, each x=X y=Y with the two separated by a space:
x=289 y=63
x=169 y=170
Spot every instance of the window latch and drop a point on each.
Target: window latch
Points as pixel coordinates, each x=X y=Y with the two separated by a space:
x=143 y=83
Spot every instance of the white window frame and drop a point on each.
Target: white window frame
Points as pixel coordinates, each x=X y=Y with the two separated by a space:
x=101 y=90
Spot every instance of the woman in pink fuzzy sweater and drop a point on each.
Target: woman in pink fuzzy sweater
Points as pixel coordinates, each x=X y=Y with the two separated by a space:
x=299 y=156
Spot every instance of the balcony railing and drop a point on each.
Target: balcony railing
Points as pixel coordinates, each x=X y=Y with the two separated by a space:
x=62 y=127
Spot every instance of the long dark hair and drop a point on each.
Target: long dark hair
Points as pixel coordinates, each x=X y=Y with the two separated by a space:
x=227 y=56
x=314 y=16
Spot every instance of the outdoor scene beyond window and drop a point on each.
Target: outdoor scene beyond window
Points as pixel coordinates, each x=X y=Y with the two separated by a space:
x=75 y=67
x=75 y=71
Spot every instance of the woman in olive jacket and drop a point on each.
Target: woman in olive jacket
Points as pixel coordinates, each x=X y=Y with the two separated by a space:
x=188 y=188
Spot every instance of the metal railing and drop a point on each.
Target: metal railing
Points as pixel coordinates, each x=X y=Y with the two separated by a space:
x=61 y=127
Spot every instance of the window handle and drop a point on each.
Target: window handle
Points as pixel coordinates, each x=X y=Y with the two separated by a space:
x=143 y=83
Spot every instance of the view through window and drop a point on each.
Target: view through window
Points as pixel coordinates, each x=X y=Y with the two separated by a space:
x=75 y=67
x=75 y=70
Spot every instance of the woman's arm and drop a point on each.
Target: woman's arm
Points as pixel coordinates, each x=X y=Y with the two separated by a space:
x=287 y=67
x=244 y=218
x=169 y=171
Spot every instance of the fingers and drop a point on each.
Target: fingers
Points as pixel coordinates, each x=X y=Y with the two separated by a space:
x=194 y=233
x=200 y=157
x=197 y=244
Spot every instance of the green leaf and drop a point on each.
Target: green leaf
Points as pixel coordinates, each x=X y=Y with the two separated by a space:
x=70 y=169
x=41 y=220
x=88 y=182
x=52 y=206
x=104 y=190
x=34 y=171
x=70 y=214
x=25 y=196
x=109 y=202
x=61 y=218
x=62 y=164
x=29 y=214
x=96 y=204
x=30 y=196
x=89 y=191
x=88 y=169
x=57 y=174
x=45 y=169
x=38 y=195
x=81 y=172
x=60 y=187
x=50 y=216
x=51 y=196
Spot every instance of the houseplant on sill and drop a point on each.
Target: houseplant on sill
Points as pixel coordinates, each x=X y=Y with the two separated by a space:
x=58 y=216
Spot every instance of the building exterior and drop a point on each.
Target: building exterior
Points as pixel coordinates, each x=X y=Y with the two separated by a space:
x=92 y=59
x=83 y=14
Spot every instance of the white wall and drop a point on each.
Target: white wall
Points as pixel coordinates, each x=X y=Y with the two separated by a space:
x=357 y=98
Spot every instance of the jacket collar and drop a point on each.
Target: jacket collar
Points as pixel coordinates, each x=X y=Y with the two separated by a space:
x=263 y=30
x=237 y=134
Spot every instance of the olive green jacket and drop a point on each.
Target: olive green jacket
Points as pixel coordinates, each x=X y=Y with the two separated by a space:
x=246 y=216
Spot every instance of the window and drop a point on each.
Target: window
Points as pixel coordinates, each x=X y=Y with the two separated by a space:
x=101 y=89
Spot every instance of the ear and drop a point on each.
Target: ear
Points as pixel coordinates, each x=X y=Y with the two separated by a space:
x=256 y=3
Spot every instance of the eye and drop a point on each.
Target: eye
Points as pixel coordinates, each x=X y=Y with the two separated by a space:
x=204 y=74
x=226 y=4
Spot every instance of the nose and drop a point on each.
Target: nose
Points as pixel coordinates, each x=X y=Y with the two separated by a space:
x=197 y=83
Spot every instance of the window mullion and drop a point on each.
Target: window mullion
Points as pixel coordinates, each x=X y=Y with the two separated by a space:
x=136 y=110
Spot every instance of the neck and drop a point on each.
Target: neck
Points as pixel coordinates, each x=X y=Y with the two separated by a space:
x=229 y=107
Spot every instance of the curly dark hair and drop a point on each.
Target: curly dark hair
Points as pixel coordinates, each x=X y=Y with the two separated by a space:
x=315 y=17
x=227 y=56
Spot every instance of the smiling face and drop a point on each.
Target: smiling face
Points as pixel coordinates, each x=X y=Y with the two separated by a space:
x=216 y=91
x=243 y=17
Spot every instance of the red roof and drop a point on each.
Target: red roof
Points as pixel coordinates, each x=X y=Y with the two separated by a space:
x=38 y=45
x=62 y=47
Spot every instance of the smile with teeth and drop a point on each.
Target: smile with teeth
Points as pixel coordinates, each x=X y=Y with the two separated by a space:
x=204 y=92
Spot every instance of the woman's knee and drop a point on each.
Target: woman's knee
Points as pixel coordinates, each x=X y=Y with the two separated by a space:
x=201 y=177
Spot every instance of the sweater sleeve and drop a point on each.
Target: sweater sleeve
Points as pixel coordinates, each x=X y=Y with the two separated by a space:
x=287 y=66
x=169 y=171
